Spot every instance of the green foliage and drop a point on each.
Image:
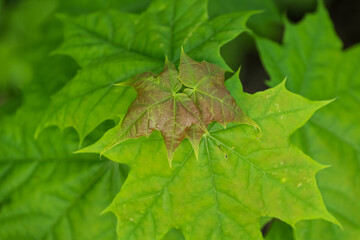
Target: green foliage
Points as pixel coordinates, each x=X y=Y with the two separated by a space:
x=46 y=191
x=265 y=24
x=236 y=169
x=239 y=163
x=112 y=47
x=316 y=67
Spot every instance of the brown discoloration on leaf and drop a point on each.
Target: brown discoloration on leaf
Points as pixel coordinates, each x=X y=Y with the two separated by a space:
x=161 y=106
x=207 y=90
x=158 y=106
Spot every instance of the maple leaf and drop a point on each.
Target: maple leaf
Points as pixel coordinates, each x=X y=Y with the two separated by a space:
x=45 y=190
x=316 y=67
x=205 y=82
x=160 y=106
x=238 y=177
x=112 y=47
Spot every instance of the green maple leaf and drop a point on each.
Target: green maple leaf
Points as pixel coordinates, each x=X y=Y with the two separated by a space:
x=112 y=47
x=46 y=192
x=238 y=177
x=160 y=104
x=316 y=67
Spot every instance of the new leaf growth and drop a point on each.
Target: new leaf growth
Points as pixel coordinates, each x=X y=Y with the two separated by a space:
x=179 y=104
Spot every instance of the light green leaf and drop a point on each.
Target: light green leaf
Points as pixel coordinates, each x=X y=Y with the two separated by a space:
x=316 y=67
x=112 y=47
x=238 y=177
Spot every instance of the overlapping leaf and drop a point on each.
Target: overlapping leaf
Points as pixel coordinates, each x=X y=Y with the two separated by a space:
x=112 y=47
x=316 y=67
x=161 y=106
x=46 y=192
x=205 y=86
x=238 y=177
x=205 y=82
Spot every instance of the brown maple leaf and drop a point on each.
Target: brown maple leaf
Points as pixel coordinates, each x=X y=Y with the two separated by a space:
x=158 y=106
x=205 y=86
x=164 y=104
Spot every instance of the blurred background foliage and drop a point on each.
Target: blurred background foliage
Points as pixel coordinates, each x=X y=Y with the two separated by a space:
x=30 y=31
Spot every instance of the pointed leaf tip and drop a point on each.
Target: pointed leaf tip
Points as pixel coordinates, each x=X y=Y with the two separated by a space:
x=160 y=104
